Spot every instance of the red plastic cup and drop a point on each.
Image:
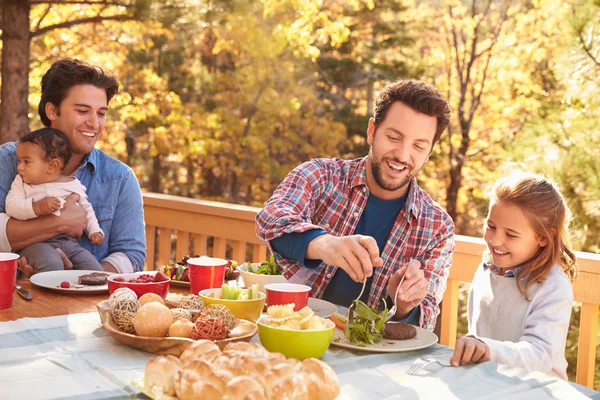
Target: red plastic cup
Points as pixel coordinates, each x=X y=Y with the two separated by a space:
x=286 y=293
x=206 y=273
x=8 y=277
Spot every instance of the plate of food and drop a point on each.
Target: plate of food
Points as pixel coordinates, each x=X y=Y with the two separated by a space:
x=180 y=274
x=73 y=281
x=368 y=331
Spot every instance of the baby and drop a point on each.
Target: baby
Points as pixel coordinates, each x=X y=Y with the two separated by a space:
x=40 y=189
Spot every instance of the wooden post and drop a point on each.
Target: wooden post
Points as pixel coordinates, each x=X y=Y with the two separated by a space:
x=449 y=314
x=586 y=353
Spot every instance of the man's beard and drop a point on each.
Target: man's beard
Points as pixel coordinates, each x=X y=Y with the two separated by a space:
x=376 y=168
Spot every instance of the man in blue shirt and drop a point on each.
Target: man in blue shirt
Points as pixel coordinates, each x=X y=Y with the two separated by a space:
x=75 y=98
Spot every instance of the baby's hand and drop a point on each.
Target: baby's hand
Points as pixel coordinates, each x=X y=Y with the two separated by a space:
x=469 y=351
x=97 y=238
x=50 y=205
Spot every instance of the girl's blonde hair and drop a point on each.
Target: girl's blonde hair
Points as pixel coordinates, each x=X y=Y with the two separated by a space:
x=549 y=216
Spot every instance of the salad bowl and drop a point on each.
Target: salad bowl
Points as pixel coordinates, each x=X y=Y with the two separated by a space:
x=250 y=275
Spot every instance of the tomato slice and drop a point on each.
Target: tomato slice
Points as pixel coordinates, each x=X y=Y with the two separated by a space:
x=338 y=320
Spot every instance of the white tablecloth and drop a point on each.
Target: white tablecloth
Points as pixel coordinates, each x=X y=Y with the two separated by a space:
x=73 y=357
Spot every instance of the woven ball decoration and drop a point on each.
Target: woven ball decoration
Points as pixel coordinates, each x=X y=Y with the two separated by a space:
x=221 y=312
x=210 y=328
x=123 y=312
x=191 y=302
x=180 y=313
x=120 y=295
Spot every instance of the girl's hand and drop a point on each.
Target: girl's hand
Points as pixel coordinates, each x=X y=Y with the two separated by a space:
x=470 y=351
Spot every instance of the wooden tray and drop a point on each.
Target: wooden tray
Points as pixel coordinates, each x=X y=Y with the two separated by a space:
x=244 y=331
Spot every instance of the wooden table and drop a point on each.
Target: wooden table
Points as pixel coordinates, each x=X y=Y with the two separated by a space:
x=48 y=303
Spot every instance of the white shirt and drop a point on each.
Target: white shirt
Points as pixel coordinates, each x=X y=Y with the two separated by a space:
x=20 y=198
x=528 y=334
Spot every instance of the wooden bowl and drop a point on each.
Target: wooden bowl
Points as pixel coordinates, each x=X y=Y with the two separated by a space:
x=243 y=331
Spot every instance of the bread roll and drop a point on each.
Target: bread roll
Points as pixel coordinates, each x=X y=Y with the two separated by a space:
x=321 y=380
x=202 y=349
x=243 y=388
x=291 y=386
x=205 y=373
x=161 y=371
x=189 y=385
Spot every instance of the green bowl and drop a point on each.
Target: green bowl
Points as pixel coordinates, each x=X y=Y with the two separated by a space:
x=295 y=344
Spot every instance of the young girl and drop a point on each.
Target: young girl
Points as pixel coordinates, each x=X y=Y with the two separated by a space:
x=521 y=296
x=40 y=189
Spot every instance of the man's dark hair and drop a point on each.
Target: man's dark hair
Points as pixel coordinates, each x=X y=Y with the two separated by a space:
x=417 y=95
x=64 y=74
x=54 y=143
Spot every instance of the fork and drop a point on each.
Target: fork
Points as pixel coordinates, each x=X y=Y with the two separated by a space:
x=422 y=363
x=350 y=312
x=392 y=311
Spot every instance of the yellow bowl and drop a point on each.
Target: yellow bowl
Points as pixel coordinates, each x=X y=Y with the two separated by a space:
x=243 y=309
x=295 y=343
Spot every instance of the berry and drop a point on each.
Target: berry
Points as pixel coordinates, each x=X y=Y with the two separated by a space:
x=65 y=285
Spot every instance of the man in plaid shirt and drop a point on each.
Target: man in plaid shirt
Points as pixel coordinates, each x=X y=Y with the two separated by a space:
x=333 y=223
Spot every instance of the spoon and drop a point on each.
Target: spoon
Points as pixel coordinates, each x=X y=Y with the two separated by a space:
x=26 y=294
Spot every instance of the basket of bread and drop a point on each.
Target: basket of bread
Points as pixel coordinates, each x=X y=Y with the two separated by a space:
x=239 y=371
x=149 y=324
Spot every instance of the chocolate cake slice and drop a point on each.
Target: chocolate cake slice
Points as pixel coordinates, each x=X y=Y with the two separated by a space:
x=93 y=279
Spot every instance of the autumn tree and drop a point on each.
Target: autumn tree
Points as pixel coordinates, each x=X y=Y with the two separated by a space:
x=19 y=29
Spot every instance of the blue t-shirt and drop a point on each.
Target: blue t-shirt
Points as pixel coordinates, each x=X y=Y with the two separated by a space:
x=114 y=192
x=376 y=221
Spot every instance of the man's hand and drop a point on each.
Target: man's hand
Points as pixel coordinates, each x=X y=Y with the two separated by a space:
x=97 y=238
x=73 y=217
x=46 y=206
x=356 y=254
x=413 y=289
x=470 y=351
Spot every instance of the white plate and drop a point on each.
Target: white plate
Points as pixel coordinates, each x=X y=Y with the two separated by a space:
x=52 y=279
x=322 y=308
x=423 y=339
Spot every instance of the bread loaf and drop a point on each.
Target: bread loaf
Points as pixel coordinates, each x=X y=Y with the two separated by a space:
x=241 y=371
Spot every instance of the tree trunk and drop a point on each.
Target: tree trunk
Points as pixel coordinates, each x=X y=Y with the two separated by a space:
x=15 y=70
x=456 y=166
x=155 y=178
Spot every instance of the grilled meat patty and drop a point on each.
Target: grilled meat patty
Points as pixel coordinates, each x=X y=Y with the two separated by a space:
x=399 y=331
x=93 y=279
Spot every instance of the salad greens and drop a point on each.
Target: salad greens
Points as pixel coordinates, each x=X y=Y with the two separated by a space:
x=366 y=326
x=265 y=268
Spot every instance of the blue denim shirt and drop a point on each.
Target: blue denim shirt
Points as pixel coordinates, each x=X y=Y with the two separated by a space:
x=114 y=192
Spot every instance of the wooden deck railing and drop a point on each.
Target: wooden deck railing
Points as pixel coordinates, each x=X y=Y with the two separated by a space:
x=178 y=226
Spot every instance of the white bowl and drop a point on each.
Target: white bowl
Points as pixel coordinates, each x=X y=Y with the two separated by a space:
x=262 y=280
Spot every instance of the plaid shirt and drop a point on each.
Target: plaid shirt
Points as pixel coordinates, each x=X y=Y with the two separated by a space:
x=331 y=194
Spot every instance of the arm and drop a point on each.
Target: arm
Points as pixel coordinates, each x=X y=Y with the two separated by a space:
x=21 y=234
x=17 y=204
x=128 y=231
x=291 y=206
x=544 y=335
x=435 y=261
